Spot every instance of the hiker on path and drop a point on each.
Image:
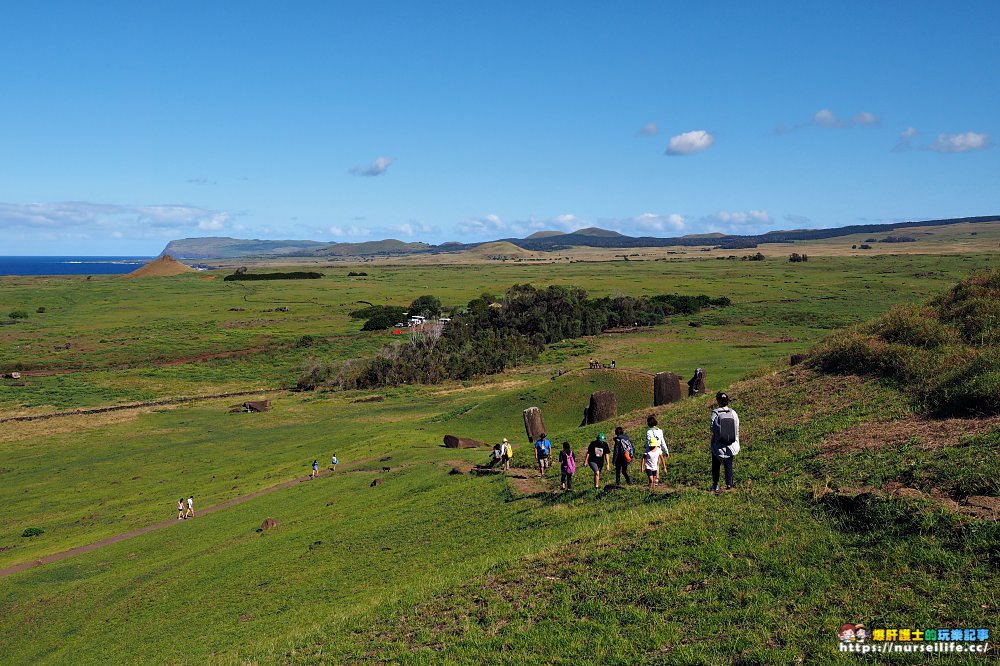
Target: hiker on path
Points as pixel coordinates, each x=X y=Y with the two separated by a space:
x=180 y=509
x=725 y=427
x=622 y=456
x=334 y=462
x=190 y=509
x=315 y=470
x=496 y=455
x=567 y=464
x=542 y=449
x=508 y=453
x=597 y=453
x=654 y=439
x=651 y=461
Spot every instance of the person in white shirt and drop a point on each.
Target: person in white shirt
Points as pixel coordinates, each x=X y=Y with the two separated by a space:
x=654 y=439
x=651 y=461
x=725 y=427
x=190 y=510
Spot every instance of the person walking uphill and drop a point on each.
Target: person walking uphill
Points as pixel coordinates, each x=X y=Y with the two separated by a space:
x=725 y=427
x=542 y=448
x=567 y=463
x=597 y=453
x=623 y=453
x=654 y=439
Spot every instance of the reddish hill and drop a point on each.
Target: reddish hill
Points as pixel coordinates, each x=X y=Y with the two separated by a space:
x=165 y=266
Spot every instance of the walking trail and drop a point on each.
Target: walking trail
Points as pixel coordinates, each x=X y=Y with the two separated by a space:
x=55 y=557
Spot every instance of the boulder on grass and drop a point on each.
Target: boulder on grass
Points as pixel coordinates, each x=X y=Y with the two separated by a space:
x=603 y=406
x=666 y=388
x=268 y=524
x=453 y=442
x=534 y=425
x=375 y=482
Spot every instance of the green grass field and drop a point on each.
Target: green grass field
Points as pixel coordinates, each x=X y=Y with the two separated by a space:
x=437 y=567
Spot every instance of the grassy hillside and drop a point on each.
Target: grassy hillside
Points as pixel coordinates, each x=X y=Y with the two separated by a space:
x=852 y=504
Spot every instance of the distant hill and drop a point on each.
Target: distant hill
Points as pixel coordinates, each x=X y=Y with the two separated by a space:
x=542 y=241
x=387 y=246
x=600 y=233
x=219 y=247
x=499 y=249
x=714 y=234
x=164 y=266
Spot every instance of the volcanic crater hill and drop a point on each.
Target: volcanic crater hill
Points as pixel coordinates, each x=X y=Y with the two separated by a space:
x=165 y=266
x=542 y=241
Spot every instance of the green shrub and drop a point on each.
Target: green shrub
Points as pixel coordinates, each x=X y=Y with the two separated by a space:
x=40 y=309
x=944 y=353
x=17 y=314
x=32 y=531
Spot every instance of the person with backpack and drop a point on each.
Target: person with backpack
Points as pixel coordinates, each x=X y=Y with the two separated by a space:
x=567 y=463
x=315 y=470
x=508 y=453
x=654 y=439
x=597 y=453
x=622 y=456
x=334 y=462
x=542 y=448
x=725 y=427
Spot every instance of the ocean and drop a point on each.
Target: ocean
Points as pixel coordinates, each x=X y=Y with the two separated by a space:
x=70 y=265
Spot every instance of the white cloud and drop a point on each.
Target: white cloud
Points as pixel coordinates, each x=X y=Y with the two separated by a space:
x=490 y=224
x=649 y=129
x=689 y=143
x=348 y=231
x=864 y=119
x=905 y=140
x=826 y=118
x=376 y=168
x=960 y=143
x=737 y=222
x=412 y=228
x=654 y=222
x=129 y=221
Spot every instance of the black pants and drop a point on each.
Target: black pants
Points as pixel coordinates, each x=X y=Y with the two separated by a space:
x=567 y=479
x=716 y=464
x=621 y=467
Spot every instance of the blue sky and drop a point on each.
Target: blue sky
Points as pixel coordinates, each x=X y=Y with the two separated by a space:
x=125 y=125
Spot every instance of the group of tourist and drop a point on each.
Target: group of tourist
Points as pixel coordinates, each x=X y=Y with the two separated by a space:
x=314 y=472
x=185 y=509
x=724 y=445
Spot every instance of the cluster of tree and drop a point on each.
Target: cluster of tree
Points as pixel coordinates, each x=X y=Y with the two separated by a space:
x=294 y=275
x=753 y=257
x=490 y=335
x=357 y=274
x=795 y=257
x=898 y=238
x=381 y=317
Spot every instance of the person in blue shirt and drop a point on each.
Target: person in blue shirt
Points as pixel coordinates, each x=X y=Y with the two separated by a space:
x=315 y=470
x=542 y=449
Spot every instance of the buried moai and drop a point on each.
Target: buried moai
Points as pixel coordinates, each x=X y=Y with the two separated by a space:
x=603 y=406
x=696 y=385
x=667 y=388
x=534 y=426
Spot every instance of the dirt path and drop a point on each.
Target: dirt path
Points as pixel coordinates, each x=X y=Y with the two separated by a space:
x=140 y=405
x=55 y=557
